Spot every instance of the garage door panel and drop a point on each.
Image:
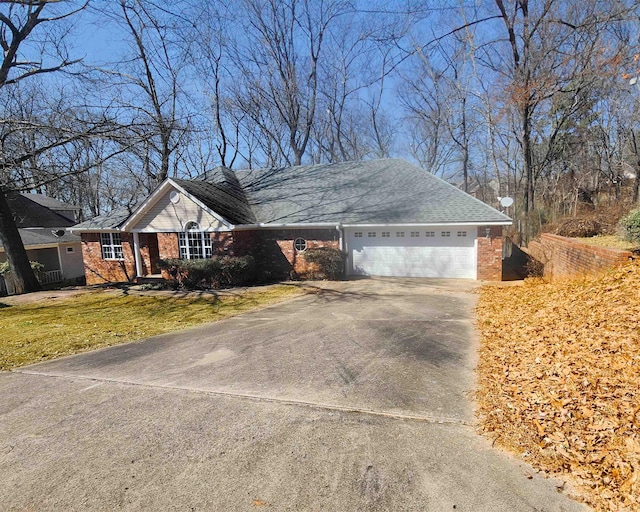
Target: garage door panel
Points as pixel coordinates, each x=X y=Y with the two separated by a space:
x=413 y=256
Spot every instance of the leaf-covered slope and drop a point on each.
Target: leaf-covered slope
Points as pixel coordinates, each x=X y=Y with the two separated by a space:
x=559 y=373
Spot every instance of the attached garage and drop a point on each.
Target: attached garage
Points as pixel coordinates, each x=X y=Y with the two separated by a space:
x=412 y=251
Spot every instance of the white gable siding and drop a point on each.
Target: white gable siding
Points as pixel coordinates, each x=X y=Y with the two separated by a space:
x=167 y=216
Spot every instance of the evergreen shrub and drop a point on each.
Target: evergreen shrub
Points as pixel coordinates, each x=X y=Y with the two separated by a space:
x=630 y=226
x=330 y=262
x=215 y=272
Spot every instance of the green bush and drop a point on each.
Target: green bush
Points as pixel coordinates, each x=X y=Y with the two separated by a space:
x=630 y=226
x=330 y=262
x=216 y=272
x=36 y=266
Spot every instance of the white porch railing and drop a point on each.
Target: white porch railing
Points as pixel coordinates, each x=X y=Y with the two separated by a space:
x=50 y=276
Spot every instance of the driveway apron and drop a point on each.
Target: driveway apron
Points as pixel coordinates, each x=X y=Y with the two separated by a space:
x=355 y=397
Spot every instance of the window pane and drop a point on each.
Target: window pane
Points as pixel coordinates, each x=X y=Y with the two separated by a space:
x=182 y=244
x=300 y=244
x=111 y=245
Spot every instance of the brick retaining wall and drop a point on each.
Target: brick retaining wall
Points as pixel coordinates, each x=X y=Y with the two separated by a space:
x=564 y=257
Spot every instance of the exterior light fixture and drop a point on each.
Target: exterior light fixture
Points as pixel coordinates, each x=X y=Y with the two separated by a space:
x=487 y=232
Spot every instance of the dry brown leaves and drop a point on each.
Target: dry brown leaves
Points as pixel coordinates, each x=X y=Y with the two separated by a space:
x=558 y=380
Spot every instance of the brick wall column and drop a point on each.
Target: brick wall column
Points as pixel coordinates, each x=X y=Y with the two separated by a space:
x=490 y=253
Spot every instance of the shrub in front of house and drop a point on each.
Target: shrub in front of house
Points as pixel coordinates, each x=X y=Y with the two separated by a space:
x=215 y=272
x=329 y=262
x=36 y=266
x=630 y=226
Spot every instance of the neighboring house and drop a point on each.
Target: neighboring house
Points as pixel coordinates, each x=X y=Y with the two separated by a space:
x=42 y=223
x=488 y=190
x=70 y=212
x=390 y=217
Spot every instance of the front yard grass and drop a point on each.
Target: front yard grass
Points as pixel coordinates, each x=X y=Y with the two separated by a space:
x=35 y=332
x=558 y=380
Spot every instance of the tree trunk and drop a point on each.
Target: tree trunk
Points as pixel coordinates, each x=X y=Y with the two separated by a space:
x=636 y=183
x=529 y=200
x=24 y=279
x=465 y=148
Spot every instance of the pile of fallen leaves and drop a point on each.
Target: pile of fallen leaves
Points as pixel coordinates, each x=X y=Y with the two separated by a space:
x=559 y=373
x=574 y=227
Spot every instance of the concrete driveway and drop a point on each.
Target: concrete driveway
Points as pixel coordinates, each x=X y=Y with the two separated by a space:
x=355 y=398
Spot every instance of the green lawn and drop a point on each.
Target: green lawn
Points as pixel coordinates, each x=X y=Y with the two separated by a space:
x=36 y=332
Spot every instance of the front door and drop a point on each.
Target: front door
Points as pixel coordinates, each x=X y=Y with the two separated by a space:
x=154 y=252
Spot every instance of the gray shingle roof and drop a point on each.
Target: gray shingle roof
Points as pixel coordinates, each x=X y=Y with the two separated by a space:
x=29 y=213
x=112 y=220
x=45 y=236
x=389 y=191
x=224 y=197
x=50 y=202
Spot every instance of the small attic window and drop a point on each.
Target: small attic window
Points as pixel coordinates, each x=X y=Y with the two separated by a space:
x=174 y=196
x=300 y=244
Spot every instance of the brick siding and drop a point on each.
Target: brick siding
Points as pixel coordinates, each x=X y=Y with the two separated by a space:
x=565 y=257
x=98 y=270
x=168 y=245
x=490 y=254
x=274 y=250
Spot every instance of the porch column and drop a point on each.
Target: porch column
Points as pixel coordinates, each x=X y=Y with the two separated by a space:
x=136 y=253
x=60 y=261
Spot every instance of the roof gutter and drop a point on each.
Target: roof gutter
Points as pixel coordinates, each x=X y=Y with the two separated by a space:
x=33 y=247
x=417 y=224
x=267 y=225
x=94 y=230
x=338 y=226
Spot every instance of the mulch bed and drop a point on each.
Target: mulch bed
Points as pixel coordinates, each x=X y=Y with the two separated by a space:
x=558 y=377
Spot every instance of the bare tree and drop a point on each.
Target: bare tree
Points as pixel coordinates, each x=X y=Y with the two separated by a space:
x=278 y=59
x=146 y=85
x=18 y=24
x=540 y=38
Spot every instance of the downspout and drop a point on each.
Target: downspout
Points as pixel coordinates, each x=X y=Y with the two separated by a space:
x=136 y=253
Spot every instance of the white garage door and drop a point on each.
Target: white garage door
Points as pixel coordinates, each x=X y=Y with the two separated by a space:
x=412 y=252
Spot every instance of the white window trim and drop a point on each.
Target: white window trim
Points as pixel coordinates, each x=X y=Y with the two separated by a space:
x=303 y=244
x=202 y=248
x=111 y=251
